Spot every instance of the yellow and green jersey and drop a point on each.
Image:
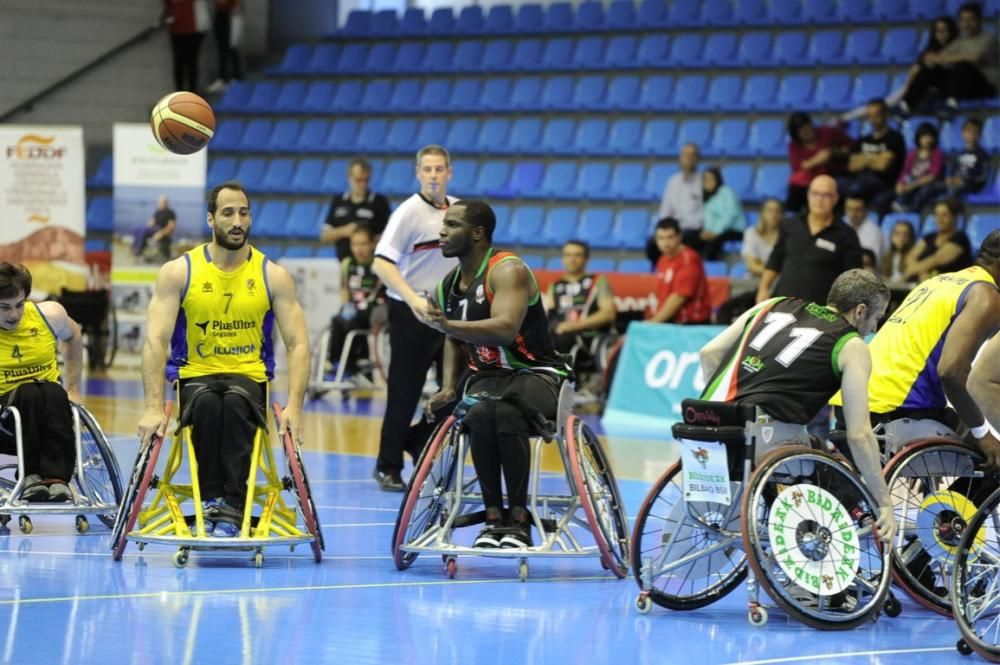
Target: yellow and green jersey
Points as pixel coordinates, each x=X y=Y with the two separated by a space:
x=28 y=353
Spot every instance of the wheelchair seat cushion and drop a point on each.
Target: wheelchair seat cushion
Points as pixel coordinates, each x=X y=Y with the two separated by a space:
x=717 y=414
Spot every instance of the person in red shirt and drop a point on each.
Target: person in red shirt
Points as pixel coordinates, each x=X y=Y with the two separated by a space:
x=188 y=20
x=682 y=292
x=813 y=151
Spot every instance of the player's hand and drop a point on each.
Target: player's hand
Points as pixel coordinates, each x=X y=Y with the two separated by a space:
x=291 y=421
x=150 y=423
x=419 y=308
x=435 y=401
x=991 y=449
x=434 y=316
x=563 y=327
x=885 y=525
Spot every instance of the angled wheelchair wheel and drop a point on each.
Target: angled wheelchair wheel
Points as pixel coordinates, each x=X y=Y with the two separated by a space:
x=935 y=491
x=102 y=477
x=300 y=485
x=808 y=530
x=424 y=502
x=975 y=588
x=670 y=532
x=598 y=491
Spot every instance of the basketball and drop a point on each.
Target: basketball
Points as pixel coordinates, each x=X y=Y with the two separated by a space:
x=182 y=122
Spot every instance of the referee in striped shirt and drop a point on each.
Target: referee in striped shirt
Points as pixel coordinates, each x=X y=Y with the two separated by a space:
x=409 y=262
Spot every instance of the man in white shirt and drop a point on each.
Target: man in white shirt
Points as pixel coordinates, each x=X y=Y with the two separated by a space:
x=869 y=235
x=409 y=262
x=682 y=200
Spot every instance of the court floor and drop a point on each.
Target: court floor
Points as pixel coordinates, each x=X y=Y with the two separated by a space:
x=63 y=599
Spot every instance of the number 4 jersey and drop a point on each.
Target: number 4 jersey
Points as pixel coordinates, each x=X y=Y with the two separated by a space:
x=786 y=361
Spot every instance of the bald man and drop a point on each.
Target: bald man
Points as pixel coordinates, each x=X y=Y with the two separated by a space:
x=813 y=248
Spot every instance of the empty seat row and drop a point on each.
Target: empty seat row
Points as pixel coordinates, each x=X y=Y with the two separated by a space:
x=590 y=92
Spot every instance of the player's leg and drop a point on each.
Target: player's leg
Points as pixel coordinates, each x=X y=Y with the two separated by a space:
x=56 y=442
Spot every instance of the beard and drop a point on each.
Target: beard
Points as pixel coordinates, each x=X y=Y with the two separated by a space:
x=223 y=241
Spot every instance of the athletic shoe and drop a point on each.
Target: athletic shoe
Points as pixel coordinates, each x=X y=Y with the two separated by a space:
x=34 y=489
x=225 y=530
x=59 y=491
x=492 y=532
x=389 y=482
x=517 y=534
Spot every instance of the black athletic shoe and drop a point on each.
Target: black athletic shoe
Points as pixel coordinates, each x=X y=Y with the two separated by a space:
x=517 y=533
x=492 y=532
x=389 y=482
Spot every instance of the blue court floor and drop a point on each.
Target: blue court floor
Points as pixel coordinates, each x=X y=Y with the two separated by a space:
x=63 y=600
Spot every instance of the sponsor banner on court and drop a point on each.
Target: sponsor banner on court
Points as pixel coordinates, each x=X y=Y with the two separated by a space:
x=657 y=369
x=42 y=204
x=705 y=471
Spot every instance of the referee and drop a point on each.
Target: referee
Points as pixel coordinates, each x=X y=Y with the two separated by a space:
x=408 y=260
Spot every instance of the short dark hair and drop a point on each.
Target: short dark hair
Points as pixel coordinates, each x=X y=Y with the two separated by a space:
x=478 y=213
x=954 y=207
x=855 y=287
x=585 y=246
x=989 y=250
x=974 y=7
x=926 y=129
x=668 y=224
x=857 y=195
x=797 y=121
x=359 y=161
x=878 y=101
x=15 y=280
x=213 y=195
x=364 y=228
x=974 y=122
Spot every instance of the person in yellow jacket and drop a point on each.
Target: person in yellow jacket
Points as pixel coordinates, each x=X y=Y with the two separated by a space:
x=210 y=325
x=30 y=381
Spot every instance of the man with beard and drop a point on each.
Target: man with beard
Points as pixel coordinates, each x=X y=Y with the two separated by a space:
x=213 y=310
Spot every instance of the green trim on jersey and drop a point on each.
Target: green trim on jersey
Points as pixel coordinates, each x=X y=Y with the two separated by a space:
x=835 y=356
x=740 y=343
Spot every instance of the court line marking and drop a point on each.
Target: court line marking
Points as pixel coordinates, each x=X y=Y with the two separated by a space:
x=386 y=510
x=167 y=555
x=851 y=654
x=342 y=526
x=326 y=587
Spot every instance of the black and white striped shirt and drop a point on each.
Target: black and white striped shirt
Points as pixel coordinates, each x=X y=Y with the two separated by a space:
x=410 y=241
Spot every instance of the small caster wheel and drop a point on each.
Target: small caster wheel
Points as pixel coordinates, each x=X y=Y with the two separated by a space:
x=258 y=559
x=141 y=546
x=963 y=648
x=757 y=616
x=25 y=523
x=180 y=558
x=4 y=520
x=643 y=603
x=82 y=525
x=522 y=571
x=451 y=567
x=291 y=548
x=892 y=607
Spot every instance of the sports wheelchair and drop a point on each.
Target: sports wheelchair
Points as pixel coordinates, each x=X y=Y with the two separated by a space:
x=442 y=498
x=377 y=339
x=175 y=515
x=597 y=352
x=799 y=523
x=96 y=483
x=975 y=580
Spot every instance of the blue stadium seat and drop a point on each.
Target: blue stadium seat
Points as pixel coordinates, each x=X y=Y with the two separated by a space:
x=558 y=181
x=435 y=93
x=589 y=93
x=825 y=48
x=656 y=134
x=463 y=182
x=494 y=175
x=528 y=53
x=358 y=24
x=855 y=11
x=467 y=57
x=590 y=53
x=656 y=179
x=833 y=91
x=291 y=97
x=250 y=172
x=470 y=21
x=526 y=135
x=256 y=136
x=653 y=14
x=557 y=139
x=687 y=47
x=284 y=136
x=413 y=23
x=307 y=176
x=559 y=17
x=527 y=93
x=590 y=16
x=533 y=261
x=624 y=137
x=756 y=50
x=305 y=220
x=623 y=52
x=716 y=269
x=558 y=93
x=227 y=134
x=654 y=51
x=438 y=57
x=277 y=177
x=272 y=220
x=381 y=58
x=720 y=49
x=334 y=177
x=591 y=137
x=560 y=225
x=93 y=245
x=385 y=23
x=298 y=251
x=100 y=214
x=768 y=138
x=558 y=54
x=499 y=20
x=819 y=12
x=621 y=15
x=494 y=135
x=628 y=182
x=892 y=10
x=738 y=270
x=751 y=12
x=401 y=135
x=376 y=95
x=790 y=48
x=529 y=19
x=991 y=134
x=632 y=227
x=409 y=57
x=325 y=59
x=371 y=135
x=601 y=264
x=740 y=178
x=684 y=15
x=623 y=93
x=730 y=138
x=263 y=97
x=405 y=96
x=690 y=91
x=341 y=136
x=272 y=250
x=771 y=181
x=497 y=94
x=900 y=44
x=296 y=61
x=594 y=182
x=326 y=252
x=220 y=169
x=634 y=266
x=725 y=93
x=353 y=59
x=498 y=55
x=595 y=228
x=347 y=97
x=862 y=46
x=236 y=97
x=504 y=234
x=462 y=131
x=697 y=131
x=104 y=175
x=465 y=95
x=318 y=97
x=785 y=12
x=526 y=223
x=398 y=178
x=981 y=225
x=717 y=13
x=796 y=92
x=869 y=85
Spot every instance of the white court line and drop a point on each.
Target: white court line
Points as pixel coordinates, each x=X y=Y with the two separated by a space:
x=167 y=555
x=343 y=526
x=851 y=654
x=381 y=510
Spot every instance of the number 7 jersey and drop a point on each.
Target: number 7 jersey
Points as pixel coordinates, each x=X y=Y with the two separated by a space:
x=786 y=362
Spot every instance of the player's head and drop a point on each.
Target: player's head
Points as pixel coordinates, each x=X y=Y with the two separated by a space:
x=668 y=236
x=468 y=223
x=989 y=254
x=359 y=175
x=15 y=285
x=433 y=171
x=574 y=256
x=860 y=297
x=229 y=215
x=362 y=244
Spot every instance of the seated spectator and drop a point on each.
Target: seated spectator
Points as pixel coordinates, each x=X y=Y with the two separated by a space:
x=682 y=292
x=894 y=260
x=358 y=206
x=758 y=241
x=920 y=182
x=724 y=219
x=967 y=68
x=159 y=229
x=857 y=217
x=877 y=160
x=682 y=200
x=945 y=250
x=868 y=261
x=813 y=151
x=970 y=170
x=363 y=296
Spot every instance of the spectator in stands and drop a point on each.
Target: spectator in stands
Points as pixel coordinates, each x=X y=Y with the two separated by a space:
x=228 y=30
x=921 y=180
x=970 y=170
x=724 y=219
x=358 y=206
x=868 y=261
x=758 y=241
x=682 y=200
x=363 y=296
x=896 y=255
x=877 y=160
x=158 y=229
x=967 y=68
x=682 y=291
x=188 y=20
x=812 y=249
x=944 y=250
x=813 y=151
x=580 y=304
x=869 y=234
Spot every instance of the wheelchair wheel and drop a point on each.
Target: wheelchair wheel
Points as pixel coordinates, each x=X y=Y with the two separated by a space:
x=598 y=491
x=808 y=530
x=380 y=335
x=102 y=477
x=300 y=485
x=975 y=588
x=666 y=521
x=142 y=477
x=935 y=493
x=424 y=501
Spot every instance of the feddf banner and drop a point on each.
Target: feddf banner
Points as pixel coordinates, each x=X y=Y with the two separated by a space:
x=657 y=369
x=42 y=204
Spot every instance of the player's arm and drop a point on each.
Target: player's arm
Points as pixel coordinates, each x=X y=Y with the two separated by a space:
x=512 y=288
x=713 y=353
x=604 y=316
x=668 y=310
x=292 y=326
x=984 y=382
x=167 y=229
x=345 y=293
x=160 y=319
x=855 y=363
x=67 y=331
x=549 y=299
x=453 y=356
x=330 y=234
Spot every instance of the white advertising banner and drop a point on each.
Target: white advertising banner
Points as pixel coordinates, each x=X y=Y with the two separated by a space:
x=42 y=204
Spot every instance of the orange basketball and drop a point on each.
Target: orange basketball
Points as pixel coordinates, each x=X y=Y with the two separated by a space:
x=182 y=122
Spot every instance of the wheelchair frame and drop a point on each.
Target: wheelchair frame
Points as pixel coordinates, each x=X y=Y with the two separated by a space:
x=319 y=386
x=86 y=499
x=975 y=581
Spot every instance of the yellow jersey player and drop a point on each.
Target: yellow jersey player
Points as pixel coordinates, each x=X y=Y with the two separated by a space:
x=214 y=309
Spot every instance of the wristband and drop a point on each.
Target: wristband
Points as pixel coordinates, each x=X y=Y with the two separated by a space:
x=981 y=431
